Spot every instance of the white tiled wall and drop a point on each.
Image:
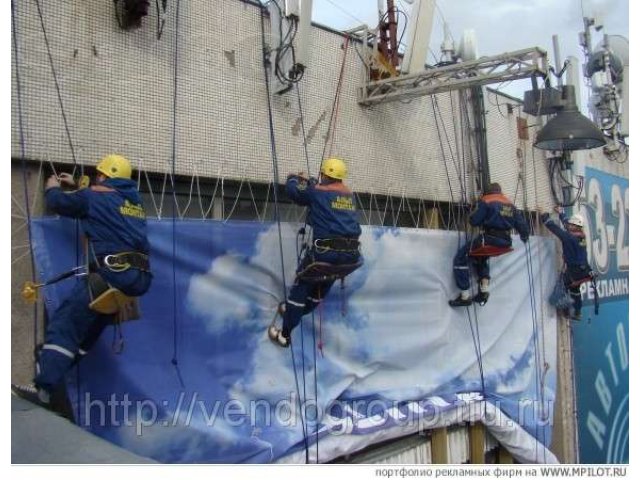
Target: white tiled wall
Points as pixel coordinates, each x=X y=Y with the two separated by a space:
x=118 y=95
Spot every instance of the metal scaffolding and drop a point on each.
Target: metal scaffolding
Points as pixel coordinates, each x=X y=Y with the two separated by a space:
x=456 y=76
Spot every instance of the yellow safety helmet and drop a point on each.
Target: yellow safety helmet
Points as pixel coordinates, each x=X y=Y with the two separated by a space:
x=334 y=168
x=115 y=166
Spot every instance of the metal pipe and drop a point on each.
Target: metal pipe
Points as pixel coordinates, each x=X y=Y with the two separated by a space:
x=556 y=55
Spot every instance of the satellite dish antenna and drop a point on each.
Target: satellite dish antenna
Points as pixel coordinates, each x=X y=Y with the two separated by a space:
x=619 y=46
x=468 y=47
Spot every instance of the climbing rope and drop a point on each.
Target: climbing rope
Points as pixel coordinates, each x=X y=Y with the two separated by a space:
x=536 y=340
x=315 y=362
x=473 y=326
x=58 y=91
x=537 y=325
x=276 y=179
x=174 y=358
x=333 y=118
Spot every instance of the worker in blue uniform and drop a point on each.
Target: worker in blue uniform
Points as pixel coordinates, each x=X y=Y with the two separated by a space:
x=113 y=220
x=496 y=216
x=574 y=254
x=333 y=218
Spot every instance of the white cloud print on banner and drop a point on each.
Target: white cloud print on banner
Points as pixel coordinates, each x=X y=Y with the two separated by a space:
x=399 y=338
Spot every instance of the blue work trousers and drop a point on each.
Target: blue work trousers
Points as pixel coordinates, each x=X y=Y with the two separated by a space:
x=462 y=261
x=74 y=328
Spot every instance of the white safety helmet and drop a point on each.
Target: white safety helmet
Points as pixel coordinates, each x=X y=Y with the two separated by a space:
x=577 y=220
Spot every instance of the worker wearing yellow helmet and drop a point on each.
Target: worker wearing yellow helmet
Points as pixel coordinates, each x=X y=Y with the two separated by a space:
x=113 y=220
x=333 y=218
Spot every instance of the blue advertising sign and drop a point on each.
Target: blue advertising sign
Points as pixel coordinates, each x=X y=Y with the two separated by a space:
x=601 y=343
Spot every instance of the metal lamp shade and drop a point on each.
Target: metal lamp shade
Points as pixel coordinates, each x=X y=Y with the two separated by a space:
x=569 y=130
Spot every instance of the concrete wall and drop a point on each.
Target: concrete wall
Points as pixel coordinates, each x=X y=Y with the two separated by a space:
x=23 y=315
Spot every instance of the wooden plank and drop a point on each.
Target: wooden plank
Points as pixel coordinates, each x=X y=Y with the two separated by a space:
x=504 y=456
x=476 y=443
x=439 y=446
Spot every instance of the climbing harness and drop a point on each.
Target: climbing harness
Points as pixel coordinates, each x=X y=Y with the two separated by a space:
x=121 y=262
x=488 y=251
x=591 y=279
x=323 y=272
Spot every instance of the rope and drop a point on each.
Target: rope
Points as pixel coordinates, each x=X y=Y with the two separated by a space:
x=540 y=362
x=315 y=380
x=64 y=117
x=534 y=320
x=274 y=161
x=313 y=319
x=274 y=156
x=58 y=91
x=174 y=359
x=475 y=333
x=444 y=159
x=333 y=118
x=23 y=162
x=161 y=17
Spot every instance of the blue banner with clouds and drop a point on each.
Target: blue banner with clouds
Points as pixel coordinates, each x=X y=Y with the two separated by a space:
x=199 y=381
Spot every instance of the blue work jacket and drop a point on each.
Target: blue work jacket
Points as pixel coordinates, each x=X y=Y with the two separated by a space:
x=111 y=215
x=332 y=210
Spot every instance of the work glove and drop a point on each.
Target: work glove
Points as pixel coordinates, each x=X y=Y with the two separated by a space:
x=544 y=217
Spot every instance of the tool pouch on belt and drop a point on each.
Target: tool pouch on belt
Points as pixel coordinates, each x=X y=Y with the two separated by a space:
x=111 y=301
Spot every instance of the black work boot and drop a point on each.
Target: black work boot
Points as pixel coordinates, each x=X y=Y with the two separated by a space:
x=577 y=315
x=460 y=302
x=481 y=298
x=32 y=394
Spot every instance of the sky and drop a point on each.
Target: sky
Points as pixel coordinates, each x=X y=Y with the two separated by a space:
x=500 y=25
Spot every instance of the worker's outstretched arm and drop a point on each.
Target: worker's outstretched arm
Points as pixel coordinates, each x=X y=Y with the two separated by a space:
x=299 y=190
x=68 y=204
x=554 y=228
